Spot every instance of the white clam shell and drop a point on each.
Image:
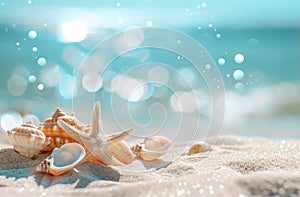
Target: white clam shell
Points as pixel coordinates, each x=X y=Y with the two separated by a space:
x=157 y=143
x=199 y=147
x=152 y=148
x=27 y=139
x=62 y=159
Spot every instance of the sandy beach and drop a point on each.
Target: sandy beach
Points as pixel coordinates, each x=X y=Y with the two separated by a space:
x=235 y=167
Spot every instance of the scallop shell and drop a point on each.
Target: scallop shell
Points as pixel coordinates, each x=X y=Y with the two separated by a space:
x=152 y=148
x=121 y=151
x=27 y=139
x=57 y=136
x=62 y=159
x=199 y=147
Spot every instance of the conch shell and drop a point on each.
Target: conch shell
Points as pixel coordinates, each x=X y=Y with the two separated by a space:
x=57 y=136
x=152 y=148
x=27 y=139
x=199 y=147
x=62 y=159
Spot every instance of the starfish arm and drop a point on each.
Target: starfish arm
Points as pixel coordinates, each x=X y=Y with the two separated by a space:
x=96 y=129
x=118 y=136
x=76 y=134
x=82 y=126
x=90 y=158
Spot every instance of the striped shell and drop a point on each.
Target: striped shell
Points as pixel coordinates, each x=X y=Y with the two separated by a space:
x=27 y=139
x=121 y=151
x=57 y=137
x=62 y=159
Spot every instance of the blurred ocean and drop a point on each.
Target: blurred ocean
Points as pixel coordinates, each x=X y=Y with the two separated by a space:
x=255 y=47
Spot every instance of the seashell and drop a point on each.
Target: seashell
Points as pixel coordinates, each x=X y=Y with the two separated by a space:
x=57 y=136
x=121 y=151
x=27 y=139
x=152 y=148
x=199 y=147
x=62 y=159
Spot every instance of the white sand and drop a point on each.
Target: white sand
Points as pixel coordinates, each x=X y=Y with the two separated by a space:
x=235 y=167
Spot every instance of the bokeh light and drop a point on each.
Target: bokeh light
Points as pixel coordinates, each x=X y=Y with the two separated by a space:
x=41 y=61
x=238 y=75
x=32 y=34
x=50 y=76
x=239 y=58
x=158 y=74
x=31 y=117
x=130 y=89
x=92 y=82
x=184 y=101
x=32 y=78
x=221 y=61
x=149 y=23
x=72 y=56
x=17 y=85
x=40 y=86
x=204 y=5
x=207 y=66
x=134 y=37
x=67 y=87
x=239 y=86
x=74 y=31
x=10 y=120
x=186 y=77
x=34 y=49
x=107 y=78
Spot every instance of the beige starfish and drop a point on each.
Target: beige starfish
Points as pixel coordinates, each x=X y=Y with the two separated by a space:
x=105 y=149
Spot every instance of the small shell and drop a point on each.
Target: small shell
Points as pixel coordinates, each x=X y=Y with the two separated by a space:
x=121 y=151
x=157 y=143
x=199 y=147
x=62 y=159
x=152 y=148
x=27 y=139
x=57 y=137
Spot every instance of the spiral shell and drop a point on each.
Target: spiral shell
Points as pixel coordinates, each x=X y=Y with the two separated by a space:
x=152 y=148
x=57 y=137
x=27 y=139
x=62 y=159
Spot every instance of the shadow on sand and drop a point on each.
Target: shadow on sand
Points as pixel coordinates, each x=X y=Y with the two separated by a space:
x=155 y=164
x=13 y=165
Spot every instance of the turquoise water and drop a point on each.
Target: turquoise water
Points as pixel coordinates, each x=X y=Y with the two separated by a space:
x=48 y=59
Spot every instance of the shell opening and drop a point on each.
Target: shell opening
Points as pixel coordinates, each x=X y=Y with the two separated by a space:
x=68 y=155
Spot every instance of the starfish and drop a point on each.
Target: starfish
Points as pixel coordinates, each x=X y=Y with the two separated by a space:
x=105 y=149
